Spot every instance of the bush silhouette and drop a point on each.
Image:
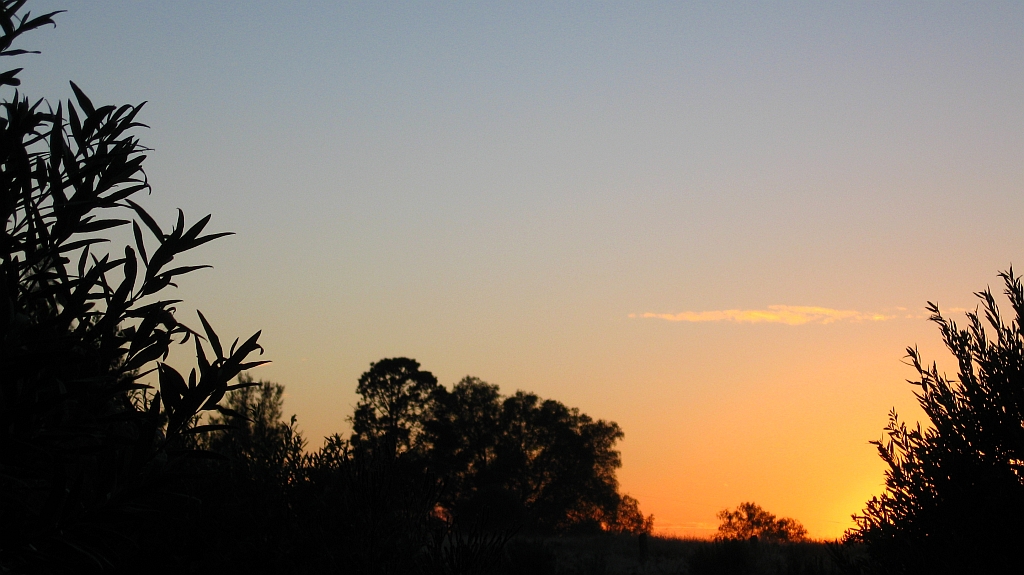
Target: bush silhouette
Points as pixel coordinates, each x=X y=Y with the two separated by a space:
x=84 y=448
x=245 y=520
x=365 y=511
x=954 y=491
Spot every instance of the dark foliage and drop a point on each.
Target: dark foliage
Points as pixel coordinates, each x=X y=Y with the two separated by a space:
x=526 y=461
x=743 y=557
x=559 y=463
x=394 y=396
x=622 y=554
x=367 y=512
x=446 y=503
x=627 y=518
x=954 y=497
x=455 y=549
x=84 y=450
x=245 y=502
x=530 y=557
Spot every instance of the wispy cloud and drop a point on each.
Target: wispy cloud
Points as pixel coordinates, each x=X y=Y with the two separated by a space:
x=787 y=314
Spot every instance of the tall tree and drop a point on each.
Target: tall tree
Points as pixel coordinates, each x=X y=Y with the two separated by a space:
x=954 y=490
x=394 y=398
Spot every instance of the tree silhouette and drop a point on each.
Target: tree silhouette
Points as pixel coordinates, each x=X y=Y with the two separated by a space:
x=462 y=431
x=83 y=446
x=558 y=462
x=530 y=461
x=395 y=395
x=749 y=521
x=627 y=518
x=954 y=491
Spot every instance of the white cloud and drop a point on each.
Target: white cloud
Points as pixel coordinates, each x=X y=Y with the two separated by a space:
x=787 y=314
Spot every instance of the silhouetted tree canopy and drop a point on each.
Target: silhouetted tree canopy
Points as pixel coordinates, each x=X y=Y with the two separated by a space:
x=549 y=466
x=560 y=463
x=516 y=460
x=749 y=520
x=394 y=397
x=627 y=518
x=954 y=490
x=483 y=467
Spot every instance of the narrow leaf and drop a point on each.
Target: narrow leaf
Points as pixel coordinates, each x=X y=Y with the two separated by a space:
x=214 y=340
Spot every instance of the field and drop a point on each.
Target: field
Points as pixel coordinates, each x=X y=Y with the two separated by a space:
x=625 y=555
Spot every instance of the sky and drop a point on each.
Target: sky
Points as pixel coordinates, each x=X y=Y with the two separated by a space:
x=716 y=224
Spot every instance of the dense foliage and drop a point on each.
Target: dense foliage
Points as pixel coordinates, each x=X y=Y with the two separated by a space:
x=536 y=459
x=85 y=451
x=439 y=488
x=534 y=463
x=954 y=497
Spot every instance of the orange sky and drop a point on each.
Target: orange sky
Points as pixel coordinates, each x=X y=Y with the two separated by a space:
x=714 y=413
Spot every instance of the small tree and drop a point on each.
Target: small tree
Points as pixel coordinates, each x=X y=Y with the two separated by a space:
x=954 y=491
x=749 y=520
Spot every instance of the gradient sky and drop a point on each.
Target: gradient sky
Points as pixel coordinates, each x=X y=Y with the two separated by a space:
x=715 y=224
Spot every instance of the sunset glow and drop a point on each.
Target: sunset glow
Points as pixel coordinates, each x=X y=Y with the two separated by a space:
x=599 y=204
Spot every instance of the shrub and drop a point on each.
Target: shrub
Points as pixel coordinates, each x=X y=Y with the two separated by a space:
x=84 y=447
x=954 y=490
